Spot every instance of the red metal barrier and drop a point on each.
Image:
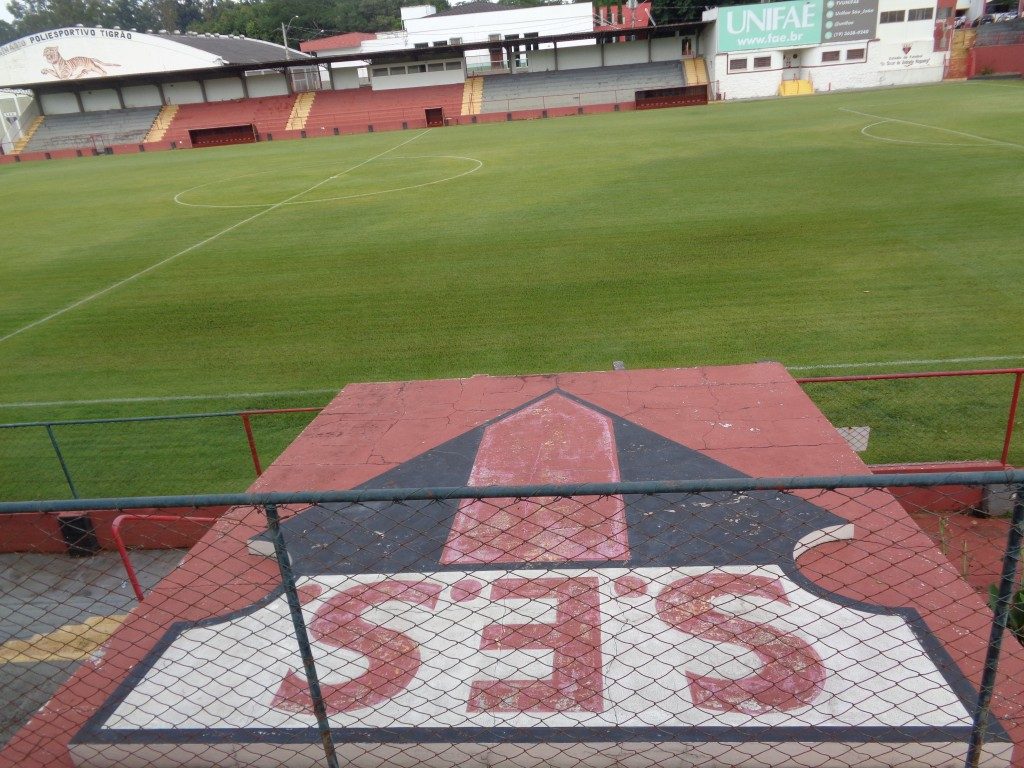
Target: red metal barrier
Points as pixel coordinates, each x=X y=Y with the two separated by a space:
x=115 y=531
x=1017 y=374
x=247 y=424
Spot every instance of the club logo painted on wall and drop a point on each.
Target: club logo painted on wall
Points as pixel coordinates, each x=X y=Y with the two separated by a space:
x=664 y=625
x=74 y=67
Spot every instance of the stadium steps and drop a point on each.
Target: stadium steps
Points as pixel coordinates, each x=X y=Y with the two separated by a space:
x=352 y=109
x=300 y=111
x=26 y=137
x=963 y=41
x=695 y=71
x=162 y=123
x=795 y=88
x=472 y=94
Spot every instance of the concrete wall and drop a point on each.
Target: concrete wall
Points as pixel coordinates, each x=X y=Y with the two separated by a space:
x=224 y=89
x=578 y=57
x=345 y=77
x=59 y=103
x=141 y=96
x=269 y=84
x=667 y=48
x=187 y=92
x=634 y=52
x=97 y=101
x=476 y=27
x=416 y=80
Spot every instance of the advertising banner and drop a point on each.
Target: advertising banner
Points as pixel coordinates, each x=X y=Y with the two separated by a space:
x=849 y=20
x=790 y=24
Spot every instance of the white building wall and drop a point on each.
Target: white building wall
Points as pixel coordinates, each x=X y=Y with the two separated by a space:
x=224 y=89
x=476 y=27
x=97 y=101
x=634 y=52
x=141 y=96
x=59 y=103
x=266 y=84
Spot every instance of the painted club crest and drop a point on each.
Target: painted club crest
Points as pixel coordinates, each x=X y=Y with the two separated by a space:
x=629 y=628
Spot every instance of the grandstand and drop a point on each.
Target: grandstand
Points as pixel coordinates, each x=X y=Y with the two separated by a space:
x=92 y=129
x=356 y=108
x=592 y=85
x=266 y=114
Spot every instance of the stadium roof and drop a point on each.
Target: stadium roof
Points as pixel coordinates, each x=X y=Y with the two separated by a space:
x=234 y=49
x=347 y=40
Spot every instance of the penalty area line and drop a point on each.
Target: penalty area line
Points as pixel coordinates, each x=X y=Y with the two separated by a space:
x=930 y=127
x=200 y=244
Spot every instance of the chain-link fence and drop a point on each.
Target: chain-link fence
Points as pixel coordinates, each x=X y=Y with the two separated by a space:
x=729 y=623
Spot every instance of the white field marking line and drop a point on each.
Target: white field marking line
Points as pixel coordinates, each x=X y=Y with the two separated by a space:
x=479 y=165
x=200 y=244
x=865 y=131
x=932 y=127
x=169 y=398
x=884 y=363
x=291 y=392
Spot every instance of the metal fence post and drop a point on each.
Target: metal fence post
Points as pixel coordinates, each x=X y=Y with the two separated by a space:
x=1010 y=418
x=1007 y=581
x=60 y=458
x=305 y=650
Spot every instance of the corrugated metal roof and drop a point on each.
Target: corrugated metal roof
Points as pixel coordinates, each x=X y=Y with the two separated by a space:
x=235 y=50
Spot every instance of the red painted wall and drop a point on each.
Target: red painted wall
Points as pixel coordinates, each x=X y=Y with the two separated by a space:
x=995 y=59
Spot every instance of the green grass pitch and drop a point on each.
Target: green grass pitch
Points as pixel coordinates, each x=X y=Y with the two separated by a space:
x=794 y=230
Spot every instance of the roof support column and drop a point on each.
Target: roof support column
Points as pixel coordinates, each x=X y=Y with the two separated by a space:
x=120 y=96
x=202 y=90
x=556 y=56
x=163 y=96
x=78 y=98
x=245 y=85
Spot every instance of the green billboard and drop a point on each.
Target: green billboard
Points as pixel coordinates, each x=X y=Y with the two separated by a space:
x=788 y=24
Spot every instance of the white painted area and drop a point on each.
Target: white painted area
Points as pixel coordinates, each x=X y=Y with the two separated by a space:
x=633 y=52
x=141 y=96
x=875 y=671
x=17 y=111
x=59 y=103
x=478 y=27
x=188 y=92
x=224 y=89
x=667 y=48
x=71 y=53
x=266 y=83
x=98 y=101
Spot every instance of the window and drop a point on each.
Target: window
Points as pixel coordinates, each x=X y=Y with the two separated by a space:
x=414 y=68
x=380 y=71
x=435 y=66
x=919 y=14
x=736 y=65
x=455 y=41
x=890 y=17
x=762 y=62
x=829 y=56
x=396 y=70
x=453 y=65
x=421 y=45
x=855 y=54
x=494 y=38
x=439 y=43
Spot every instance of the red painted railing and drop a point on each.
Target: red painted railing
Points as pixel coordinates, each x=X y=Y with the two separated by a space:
x=1017 y=374
x=122 y=550
x=262 y=412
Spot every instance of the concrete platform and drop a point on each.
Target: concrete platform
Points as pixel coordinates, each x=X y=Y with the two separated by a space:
x=726 y=629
